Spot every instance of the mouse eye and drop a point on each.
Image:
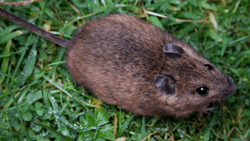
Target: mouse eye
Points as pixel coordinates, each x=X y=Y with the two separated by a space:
x=202 y=90
x=209 y=67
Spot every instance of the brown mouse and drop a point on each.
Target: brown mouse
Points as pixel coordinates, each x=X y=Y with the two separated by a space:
x=139 y=67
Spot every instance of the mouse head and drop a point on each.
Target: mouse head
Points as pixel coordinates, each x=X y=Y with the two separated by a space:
x=192 y=81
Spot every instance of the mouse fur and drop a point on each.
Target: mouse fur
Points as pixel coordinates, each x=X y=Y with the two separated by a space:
x=139 y=67
x=118 y=56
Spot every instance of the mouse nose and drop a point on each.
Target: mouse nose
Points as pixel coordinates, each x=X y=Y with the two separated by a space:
x=233 y=87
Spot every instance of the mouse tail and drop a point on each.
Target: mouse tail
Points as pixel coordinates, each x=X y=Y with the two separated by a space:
x=53 y=38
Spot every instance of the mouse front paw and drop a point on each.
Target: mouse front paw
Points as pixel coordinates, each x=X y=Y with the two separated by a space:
x=205 y=109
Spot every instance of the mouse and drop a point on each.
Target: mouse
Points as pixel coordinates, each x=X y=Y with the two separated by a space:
x=139 y=67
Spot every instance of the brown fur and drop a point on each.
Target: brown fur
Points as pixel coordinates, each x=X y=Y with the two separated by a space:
x=118 y=56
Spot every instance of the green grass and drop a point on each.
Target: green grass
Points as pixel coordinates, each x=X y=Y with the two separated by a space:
x=40 y=101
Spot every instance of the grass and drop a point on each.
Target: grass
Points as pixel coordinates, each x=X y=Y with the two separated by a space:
x=40 y=101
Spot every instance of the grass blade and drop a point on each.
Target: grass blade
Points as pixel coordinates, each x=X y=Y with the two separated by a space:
x=124 y=126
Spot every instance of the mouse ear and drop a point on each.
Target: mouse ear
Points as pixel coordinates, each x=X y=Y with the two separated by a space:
x=164 y=83
x=173 y=50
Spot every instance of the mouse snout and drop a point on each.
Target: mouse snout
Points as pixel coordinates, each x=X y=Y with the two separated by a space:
x=233 y=87
x=228 y=90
